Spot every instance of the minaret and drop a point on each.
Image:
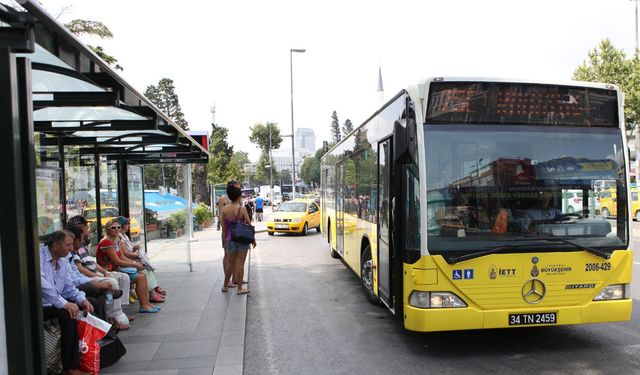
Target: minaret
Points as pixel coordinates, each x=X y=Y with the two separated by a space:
x=380 y=87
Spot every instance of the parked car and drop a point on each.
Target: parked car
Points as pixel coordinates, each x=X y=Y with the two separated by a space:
x=297 y=216
x=572 y=201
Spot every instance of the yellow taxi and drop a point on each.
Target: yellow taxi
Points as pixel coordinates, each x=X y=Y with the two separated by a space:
x=609 y=207
x=296 y=216
x=109 y=212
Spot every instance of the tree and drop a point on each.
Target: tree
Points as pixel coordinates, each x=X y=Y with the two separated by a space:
x=335 y=127
x=98 y=29
x=347 y=128
x=221 y=153
x=165 y=98
x=260 y=136
x=310 y=169
x=607 y=64
x=236 y=165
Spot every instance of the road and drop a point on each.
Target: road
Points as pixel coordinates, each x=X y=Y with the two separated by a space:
x=307 y=315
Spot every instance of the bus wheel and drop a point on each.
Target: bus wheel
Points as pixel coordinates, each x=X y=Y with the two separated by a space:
x=366 y=275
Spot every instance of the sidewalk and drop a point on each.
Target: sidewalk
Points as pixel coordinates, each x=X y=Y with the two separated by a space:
x=200 y=330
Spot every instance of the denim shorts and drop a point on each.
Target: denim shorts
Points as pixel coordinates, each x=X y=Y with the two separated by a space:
x=233 y=247
x=131 y=271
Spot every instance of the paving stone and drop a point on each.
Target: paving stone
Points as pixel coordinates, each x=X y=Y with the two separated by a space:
x=187 y=349
x=182 y=363
x=227 y=370
x=230 y=355
x=196 y=371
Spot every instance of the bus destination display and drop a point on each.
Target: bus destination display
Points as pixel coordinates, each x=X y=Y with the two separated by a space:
x=520 y=104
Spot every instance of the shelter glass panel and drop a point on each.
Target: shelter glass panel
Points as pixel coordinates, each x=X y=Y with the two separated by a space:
x=136 y=210
x=80 y=184
x=48 y=193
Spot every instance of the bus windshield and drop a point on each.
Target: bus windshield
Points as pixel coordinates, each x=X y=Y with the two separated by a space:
x=494 y=186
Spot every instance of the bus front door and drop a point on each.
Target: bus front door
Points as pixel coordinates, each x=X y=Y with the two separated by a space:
x=340 y=193
x=384 y=222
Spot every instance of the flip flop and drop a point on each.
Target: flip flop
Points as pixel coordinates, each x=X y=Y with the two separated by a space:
x=243 y=291
x=224 y=290
x=145 y=311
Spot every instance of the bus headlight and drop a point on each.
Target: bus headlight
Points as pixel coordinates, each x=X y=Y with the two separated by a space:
x=425 y=300
x=616 y=291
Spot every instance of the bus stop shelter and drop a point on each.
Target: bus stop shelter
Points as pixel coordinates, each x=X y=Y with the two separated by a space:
x=65 y=116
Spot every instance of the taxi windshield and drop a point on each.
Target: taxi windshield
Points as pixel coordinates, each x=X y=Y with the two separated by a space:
x=293 y=207
x=492 y=185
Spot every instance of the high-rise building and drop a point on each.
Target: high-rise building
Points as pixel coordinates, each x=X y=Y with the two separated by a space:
x=305 y=141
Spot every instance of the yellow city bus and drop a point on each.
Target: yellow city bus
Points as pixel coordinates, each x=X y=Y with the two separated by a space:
x=447 y=203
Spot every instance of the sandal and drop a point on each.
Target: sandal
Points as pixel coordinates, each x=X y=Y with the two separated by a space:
x=156 y=298
x=145 y=311
x=243 y=291
x=224 y=290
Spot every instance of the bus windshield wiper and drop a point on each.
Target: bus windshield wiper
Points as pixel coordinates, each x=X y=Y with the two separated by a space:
x=454 y=260
x=591 y=250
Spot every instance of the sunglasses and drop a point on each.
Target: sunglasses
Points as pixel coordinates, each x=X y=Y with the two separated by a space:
x=115 y=227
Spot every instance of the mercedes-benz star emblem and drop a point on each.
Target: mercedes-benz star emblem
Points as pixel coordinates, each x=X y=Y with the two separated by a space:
x=533 y=291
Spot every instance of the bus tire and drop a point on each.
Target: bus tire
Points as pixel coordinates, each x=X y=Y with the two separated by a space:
x=366 y=276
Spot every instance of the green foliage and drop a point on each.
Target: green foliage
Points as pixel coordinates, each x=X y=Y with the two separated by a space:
x=165 y=98
x=236 y=166
x=96 y=29
x=86 y=27
x=335 y=127
x=177 y=220
x=202 y=213
x=156 y=175
x=221 y=153
x=310 y=169
x=607 y=64
x=260 y=136
x=347 y=128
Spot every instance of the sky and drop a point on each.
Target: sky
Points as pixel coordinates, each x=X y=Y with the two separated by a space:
x=234 y=55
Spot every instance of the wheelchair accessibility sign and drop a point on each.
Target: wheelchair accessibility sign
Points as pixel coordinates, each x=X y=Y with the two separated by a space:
x=462 y=274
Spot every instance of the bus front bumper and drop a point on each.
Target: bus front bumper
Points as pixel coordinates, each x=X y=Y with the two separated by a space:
x=449 y=319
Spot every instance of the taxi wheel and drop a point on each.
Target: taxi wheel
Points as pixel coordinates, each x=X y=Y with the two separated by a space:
x=605 y=213
x=366 y=276
x=637 y=215
x=318 y=229
x=270 y=233
x=305 y=229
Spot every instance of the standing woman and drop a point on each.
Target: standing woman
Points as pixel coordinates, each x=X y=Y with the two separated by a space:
x=111 y=258
x=235 y=251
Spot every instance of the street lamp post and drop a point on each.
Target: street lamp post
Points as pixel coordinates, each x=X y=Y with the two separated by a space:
x=293 y=147
x=270 y=167
x=636 y=51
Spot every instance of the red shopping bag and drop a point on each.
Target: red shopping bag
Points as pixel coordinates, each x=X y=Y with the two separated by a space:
x=90 y=331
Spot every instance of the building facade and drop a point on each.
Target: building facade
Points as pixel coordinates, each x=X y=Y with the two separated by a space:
x=305 y=141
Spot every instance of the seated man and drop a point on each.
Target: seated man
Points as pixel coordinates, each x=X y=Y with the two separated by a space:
x=60 y=298
x=544 y=212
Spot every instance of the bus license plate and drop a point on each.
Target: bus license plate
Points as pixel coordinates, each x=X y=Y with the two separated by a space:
x=282 y=226
x=533 y=319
